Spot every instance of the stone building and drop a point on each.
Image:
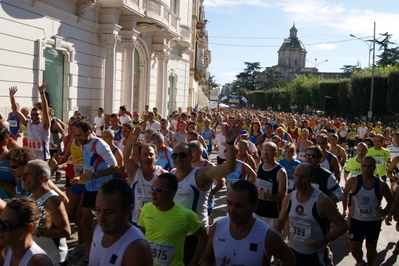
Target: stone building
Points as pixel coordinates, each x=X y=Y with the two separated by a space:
x=104 y=53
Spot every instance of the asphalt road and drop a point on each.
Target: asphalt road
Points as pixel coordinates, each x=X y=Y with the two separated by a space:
x=340 y=247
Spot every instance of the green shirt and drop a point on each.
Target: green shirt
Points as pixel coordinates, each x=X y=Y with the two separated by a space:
x=353 y=167
x=381 y=158
x=166 y=231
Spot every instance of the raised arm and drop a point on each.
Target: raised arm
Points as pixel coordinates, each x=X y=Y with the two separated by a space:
x=13 y=90
x=45 y=114
x=129 y=163
x=211 y=173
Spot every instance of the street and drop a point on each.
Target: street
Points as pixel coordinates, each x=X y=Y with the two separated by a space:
x=340 y=248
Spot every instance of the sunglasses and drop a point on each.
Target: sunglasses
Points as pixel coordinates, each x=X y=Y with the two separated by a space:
x=34 y=114
x=14 y=166
x=159 y=190
x=181 y=155
x=311 y=156
x=106 y=215
x=5 y=226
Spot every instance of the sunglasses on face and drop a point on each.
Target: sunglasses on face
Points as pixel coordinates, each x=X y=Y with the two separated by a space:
x=311 y=156
x=159 y=190
x=106 y=215
x=181 y=155
x=6 y=226
x=34 y=114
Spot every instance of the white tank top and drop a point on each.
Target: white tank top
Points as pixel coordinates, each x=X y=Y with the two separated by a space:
x=38 y=140
x=32 y=251
x=112 y=255
x=303 y=223
x=191 y=197
x=248 y=251
x=142 y=191
x=57 y=254
x=366 y=201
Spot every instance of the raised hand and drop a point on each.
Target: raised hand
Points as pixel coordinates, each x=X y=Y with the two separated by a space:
x=134 y=135
x=13 y=90
x=234 y=131
x=43 y=87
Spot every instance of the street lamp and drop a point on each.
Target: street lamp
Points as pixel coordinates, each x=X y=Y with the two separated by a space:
x=315 y=64
x=368 y=45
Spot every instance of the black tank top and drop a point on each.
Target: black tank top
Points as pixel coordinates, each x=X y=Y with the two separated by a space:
x=267 y=208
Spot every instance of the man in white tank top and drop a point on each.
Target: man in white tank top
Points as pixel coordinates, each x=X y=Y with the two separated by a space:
x=115 y=240
x=195 y=183
x=140 y=176
x=309 y=230
x=367 y=192
x=54 y=226
x=38 y=126
x=242 y=239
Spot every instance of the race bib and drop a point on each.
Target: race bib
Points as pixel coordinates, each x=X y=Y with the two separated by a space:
x=35 y=143
x=13 y=123
x=379 y=161
x=88 y=169
x=144 y=199
x=264 y=186
x=352 y=137
x=78 y=168
x=207 y=141
x=162 y=253
x=301 y=230
x=366 y=211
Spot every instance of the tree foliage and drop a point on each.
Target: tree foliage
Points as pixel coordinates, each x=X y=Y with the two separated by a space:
x=212 y=82
x=389 y=56
x=248 y=78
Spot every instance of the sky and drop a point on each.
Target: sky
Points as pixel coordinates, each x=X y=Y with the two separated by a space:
x=253 y=30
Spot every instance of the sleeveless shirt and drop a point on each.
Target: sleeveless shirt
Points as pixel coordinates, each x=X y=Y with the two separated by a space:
x=191 y=197
x=142 y=191
x=305 y=222
x=366 y=201
x=32 y=251
x=112 y=255
x=248 y=251
x=267 y=180
x=38 y=140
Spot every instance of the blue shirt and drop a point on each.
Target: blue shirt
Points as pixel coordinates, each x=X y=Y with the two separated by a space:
x=165 y=158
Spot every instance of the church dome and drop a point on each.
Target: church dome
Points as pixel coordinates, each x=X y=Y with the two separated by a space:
x=292 y=42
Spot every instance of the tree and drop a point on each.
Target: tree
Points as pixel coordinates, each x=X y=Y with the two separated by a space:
x=248 y=78
x=389 y=56
x=349 y=69
x=270 y=79
x=212 y=82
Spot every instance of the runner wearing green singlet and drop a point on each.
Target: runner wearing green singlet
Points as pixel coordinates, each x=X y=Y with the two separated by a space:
x=166 y=224
x=381 y=156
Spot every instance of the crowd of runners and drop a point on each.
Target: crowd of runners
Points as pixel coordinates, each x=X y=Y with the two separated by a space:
x=140 y=188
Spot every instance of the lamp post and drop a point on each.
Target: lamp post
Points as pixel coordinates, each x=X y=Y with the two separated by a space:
x=366 y=42
x=315 y=64
x=370 y=114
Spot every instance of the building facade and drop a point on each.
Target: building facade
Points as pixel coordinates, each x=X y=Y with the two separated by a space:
x=104 y=53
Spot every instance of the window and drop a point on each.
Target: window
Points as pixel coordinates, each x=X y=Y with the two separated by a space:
x=173 y=6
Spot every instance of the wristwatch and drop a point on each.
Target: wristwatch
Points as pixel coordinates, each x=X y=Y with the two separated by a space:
x=95 y=175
